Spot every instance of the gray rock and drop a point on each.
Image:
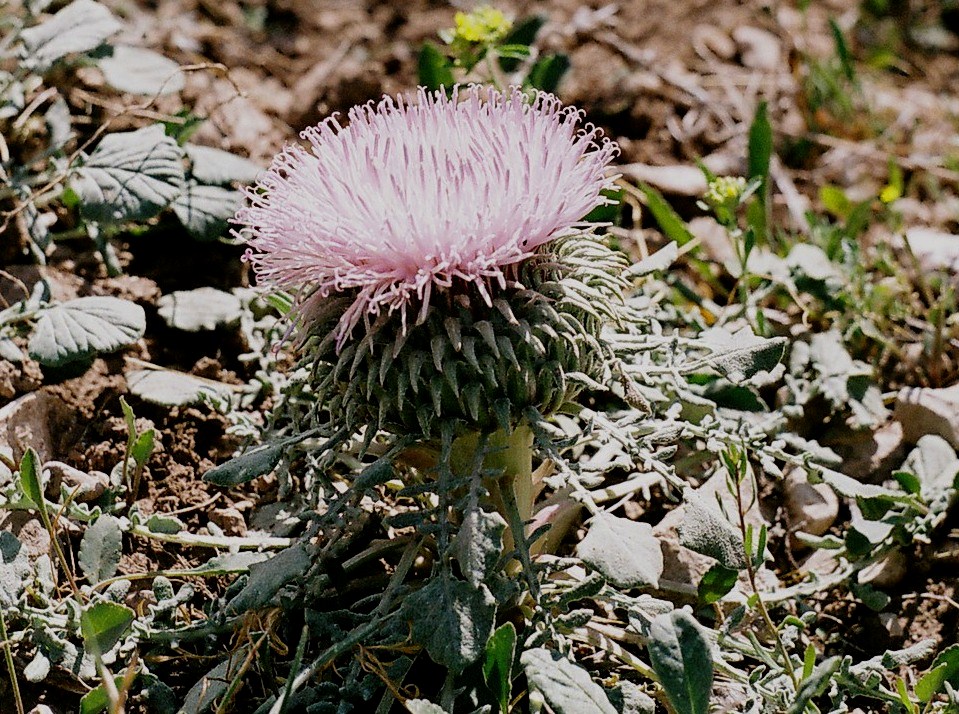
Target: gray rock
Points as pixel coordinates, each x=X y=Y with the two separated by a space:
x=868 y=455
x=33 y=420
x=812 y=508
x=715 y=241
x=85 y=486
x=934 y=250
x=28 y=529
x=929 y=411
x=760 y=49
x=230 y=520
x=887 y=572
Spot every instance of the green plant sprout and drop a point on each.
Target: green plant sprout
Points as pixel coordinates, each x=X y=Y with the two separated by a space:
x=485 y=46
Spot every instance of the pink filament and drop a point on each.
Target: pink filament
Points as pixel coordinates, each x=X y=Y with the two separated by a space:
x=412 y=195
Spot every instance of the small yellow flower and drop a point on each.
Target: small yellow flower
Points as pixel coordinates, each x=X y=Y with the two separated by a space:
x=725 y=190
x=484 y=25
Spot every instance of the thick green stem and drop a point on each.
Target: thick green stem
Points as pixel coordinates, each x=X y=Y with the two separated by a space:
x=510 y=454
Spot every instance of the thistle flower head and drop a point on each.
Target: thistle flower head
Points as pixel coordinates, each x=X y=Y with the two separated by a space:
x=413 y=196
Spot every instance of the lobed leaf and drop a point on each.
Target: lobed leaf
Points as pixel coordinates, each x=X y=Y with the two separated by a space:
x=79 y=328
x=566 y=687
x=79 y=27
x=452 y=620
x=137 y=70
x=130 y=176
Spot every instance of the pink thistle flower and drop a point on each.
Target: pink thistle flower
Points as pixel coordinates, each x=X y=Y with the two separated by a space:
x=412 y=196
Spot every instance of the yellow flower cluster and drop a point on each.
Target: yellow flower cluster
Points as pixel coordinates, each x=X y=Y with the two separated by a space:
x=725 y=190
x=484 y=25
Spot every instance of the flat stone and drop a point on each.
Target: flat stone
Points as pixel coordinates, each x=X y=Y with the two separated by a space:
x=821 y=562
x=812 y=508
x=887 y=572
x=759 y=49
x=230 y=520
x=675 y=180
x=714 y=239
x=935 y=250
x=870 y=456
x=87 y=486
x=929 y=411
x=32 y=421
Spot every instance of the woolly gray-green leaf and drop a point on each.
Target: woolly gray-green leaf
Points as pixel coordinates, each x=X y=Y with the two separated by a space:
x=100 y=549
x=681 y=658
x=246 y=466
x=452 y=619
x=935 y=464
x=706 y=531
x=566 y=687
x=201 y=309
x=162 y=523
x=212 y=166
x=268 y=577
x=815 y=684
x=205 y=210
x=79 y=27
x=137 y=70
x=867 y=494
x=626 y=552
x=168 y=387
x=38 y=668
x=130 y=176
x=742 y=354
x=15 y=569
x=85 y=326
x=479 y=544
x=423 y=706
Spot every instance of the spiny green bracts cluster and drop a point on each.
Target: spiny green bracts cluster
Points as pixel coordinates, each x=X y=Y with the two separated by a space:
x=477 y=365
